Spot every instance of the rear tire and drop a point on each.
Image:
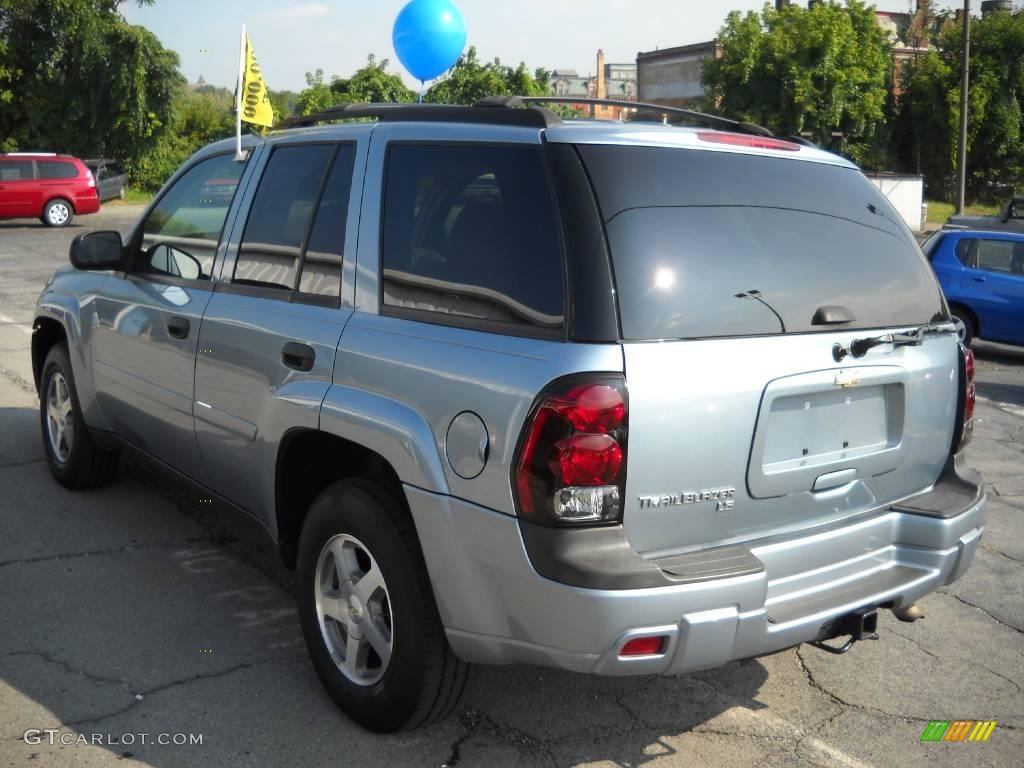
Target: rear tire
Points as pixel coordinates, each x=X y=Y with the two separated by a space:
x=965 y=328
x=416 y=679
x=58 y=213
x=75 y=461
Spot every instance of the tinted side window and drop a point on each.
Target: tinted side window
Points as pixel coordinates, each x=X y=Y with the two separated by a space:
x=470 y=231
x=16 y=170
x=280 y=216
x=966 y=251
x=1003 y=256
x=57 y=170
x=190 y=215
x=321 y=263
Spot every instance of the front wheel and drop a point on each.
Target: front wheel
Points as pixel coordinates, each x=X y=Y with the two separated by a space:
x=58 y=213
x=75 y=461
x=368 y=612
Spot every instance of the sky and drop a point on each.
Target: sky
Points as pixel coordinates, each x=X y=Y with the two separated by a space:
x=293 y=37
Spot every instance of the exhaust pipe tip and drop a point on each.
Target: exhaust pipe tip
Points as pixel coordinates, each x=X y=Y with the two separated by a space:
x=910 y=613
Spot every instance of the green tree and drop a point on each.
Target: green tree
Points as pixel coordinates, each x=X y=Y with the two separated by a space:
x=76 y=77
x=928 y=124
x=198 y=117
x=283 y=103
x=470 y=80
x=372 y=84
x=316 y=96
x=814 y=70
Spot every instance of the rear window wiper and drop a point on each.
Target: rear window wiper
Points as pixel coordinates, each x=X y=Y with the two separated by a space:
x=859 y=347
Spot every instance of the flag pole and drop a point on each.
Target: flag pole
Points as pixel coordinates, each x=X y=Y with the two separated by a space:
x=238 y=99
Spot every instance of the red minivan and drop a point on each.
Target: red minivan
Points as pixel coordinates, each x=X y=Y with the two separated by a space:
x=49 y=187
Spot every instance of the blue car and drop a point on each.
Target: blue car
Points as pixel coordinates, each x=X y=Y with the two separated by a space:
x=982 y=275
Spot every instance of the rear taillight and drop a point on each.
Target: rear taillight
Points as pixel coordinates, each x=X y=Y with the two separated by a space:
x=969 y=397
x=90 y=179
x=571 y=464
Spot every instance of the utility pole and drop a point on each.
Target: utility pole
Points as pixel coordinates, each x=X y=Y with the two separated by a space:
x=965 y=65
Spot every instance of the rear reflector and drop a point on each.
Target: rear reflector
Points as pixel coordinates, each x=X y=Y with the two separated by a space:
x=643 y=646
x=744 y=140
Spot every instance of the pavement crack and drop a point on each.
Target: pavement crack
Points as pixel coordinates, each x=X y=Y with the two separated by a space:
x=19 y=382
x=809 y=676
x=21 y=463
x=470 y=722
x=140 y=696
x=994 y=551
x=49 y=659
x=756 y=737
x=914 y=642
x=977 y=607
x=967 y=659
x=99 y=552
x=475 y=722
x=849 y=704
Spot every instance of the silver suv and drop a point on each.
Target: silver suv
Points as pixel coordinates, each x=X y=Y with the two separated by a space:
x=618 y=398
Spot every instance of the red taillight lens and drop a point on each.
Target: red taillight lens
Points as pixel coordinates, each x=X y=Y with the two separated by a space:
x=571 y=463
x=593 y=408
x=587 y=460
x=745 y=140
x=643 y=646
x=970 y=398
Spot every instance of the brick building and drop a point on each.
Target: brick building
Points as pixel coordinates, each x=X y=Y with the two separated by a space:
x=672 y=76
x=612 y=81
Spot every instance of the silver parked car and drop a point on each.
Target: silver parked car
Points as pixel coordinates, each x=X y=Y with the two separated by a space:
x=617 y=398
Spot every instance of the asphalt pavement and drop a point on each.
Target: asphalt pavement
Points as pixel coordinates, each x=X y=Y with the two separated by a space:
x=137 y=609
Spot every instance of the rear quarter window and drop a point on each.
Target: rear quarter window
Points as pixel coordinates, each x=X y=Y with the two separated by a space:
x=470 y=237
x=57 y=170
x=709 y=244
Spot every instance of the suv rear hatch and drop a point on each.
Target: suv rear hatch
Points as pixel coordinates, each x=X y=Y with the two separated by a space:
x=737 y=276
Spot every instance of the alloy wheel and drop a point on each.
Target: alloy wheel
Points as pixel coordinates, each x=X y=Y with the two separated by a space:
x=60 y=427
x=58 y=213
x=354 y=609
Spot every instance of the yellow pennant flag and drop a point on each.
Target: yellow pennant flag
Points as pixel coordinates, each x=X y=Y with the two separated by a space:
x=255 y=104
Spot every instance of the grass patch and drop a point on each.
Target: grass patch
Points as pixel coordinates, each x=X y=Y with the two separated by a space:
x=938 y=212
x=132 y=196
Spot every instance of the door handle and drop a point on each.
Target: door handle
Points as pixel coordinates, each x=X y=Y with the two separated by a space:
x=298 y=356
x=178 y=327
x=978 y=279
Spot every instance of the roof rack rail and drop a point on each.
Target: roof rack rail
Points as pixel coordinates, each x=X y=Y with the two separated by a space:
x=535 y=117
x=712 y=121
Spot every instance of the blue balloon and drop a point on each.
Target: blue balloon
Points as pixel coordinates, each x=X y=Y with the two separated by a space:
x=429 y=36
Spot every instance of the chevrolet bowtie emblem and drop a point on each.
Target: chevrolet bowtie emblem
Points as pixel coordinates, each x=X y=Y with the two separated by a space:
x=847 y=380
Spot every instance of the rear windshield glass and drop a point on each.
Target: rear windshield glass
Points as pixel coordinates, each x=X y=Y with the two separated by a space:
x=708 y=244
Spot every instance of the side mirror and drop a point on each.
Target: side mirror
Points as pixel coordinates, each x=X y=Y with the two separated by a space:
x=97 y=251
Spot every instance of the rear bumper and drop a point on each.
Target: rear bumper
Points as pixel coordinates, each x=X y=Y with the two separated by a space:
x=496 y=608
x=87 y=202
